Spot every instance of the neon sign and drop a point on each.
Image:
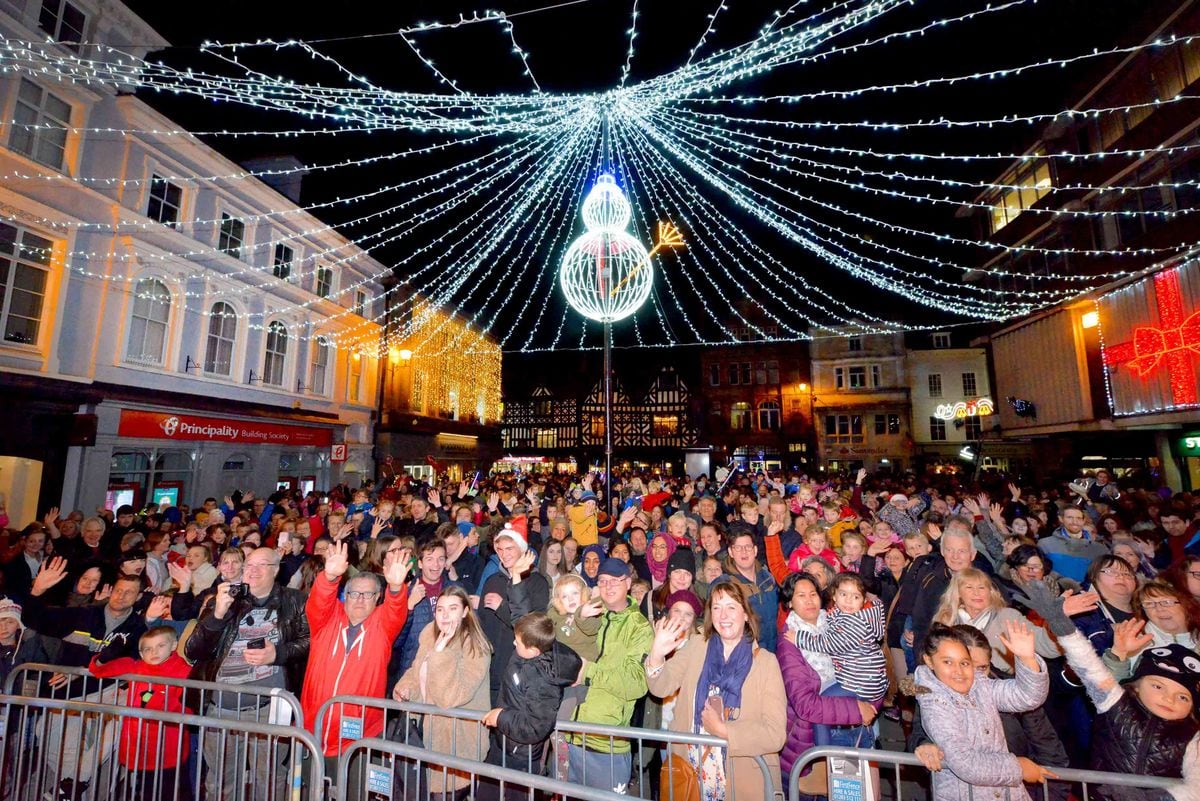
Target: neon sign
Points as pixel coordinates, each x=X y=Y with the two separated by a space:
x=980 y=407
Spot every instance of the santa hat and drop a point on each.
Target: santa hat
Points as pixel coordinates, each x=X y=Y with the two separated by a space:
x=513 y=534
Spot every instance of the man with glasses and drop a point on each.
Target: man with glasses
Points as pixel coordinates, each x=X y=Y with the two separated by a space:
x=743 y=566
x=351 y=646
x=615 y=682
x=255 y=633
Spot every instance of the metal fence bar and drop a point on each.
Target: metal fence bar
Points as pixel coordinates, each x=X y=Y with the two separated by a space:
x=104 y=752
x=376 y=754
x=899 y=758
x=276 y=706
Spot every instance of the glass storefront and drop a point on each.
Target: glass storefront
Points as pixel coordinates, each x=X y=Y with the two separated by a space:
x=152 y=475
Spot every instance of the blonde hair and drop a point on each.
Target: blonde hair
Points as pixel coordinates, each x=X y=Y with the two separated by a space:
x=562 y=581
x=947 y=611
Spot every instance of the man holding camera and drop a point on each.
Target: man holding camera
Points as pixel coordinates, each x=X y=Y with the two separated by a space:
x=255 y=633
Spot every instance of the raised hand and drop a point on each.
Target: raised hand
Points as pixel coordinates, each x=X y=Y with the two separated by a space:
x=103 y=593
x=934 y=531
x=396 y=573
x=51 y=518
x=984 y=500
x=336 y=561
x=862 y=475
x=1018 y=637
x=593 y=608
x=522 y=565
x=971 y=505
x=775 y=527
x=1129 y=638
x=247 y=496
x=996 y=512
x=345 y=530
x=1015 y=491
x=223 y=601
x=463 y=489
x=181 y=574
x=493 y=501
x=159 y=608
x=52 y=572
x=1078 y=603
x=435 y=498
x=669 y=634
x=377 y=527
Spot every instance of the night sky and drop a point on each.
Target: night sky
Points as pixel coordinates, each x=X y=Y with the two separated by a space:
x=581 y=48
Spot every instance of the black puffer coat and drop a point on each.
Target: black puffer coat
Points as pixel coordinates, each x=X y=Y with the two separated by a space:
x=1129 y=739
x=530 y=695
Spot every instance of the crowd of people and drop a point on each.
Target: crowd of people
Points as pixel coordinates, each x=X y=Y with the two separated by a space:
x=1010 y=630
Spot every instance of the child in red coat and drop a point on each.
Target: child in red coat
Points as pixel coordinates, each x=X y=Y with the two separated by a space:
x=150 y=752
x=816 y=543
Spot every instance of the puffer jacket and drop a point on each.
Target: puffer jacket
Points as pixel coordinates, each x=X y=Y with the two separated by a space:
x=149 y=744
x=338 y=667
x=211 y=639
x=805 y=706
x=617 y=680
x=530 y=695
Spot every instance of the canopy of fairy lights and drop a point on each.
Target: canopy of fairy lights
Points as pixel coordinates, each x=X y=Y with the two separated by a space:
x=748 y=175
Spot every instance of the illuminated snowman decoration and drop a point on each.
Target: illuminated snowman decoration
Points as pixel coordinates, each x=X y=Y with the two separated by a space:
x=606 y=273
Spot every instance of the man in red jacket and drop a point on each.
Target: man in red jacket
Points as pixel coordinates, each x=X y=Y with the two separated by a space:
x=351 y=644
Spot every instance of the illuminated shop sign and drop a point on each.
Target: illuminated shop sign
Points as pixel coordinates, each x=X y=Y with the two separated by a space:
x=979 y=407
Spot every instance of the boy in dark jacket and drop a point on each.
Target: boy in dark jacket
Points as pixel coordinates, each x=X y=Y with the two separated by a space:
x=539 y=671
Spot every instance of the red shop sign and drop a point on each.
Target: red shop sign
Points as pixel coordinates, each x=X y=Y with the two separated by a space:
x=190 y=427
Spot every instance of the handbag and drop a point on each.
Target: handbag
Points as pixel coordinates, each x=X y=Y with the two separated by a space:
x=678 y=780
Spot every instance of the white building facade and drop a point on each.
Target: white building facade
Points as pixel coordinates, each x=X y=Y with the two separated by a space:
x=952 y=404
x=170 y=326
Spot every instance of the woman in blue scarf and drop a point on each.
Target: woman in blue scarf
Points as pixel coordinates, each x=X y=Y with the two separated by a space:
x=728 y=687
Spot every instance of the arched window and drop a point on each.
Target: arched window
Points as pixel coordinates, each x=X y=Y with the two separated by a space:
x=320 y=364
x=148 y=322
x=277 y=344
x=222 y=336
x=768 y=416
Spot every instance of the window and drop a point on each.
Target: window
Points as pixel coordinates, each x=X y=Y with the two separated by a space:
x=324 y=282
x=935 y=385
x=772 y=373
x=714 y=375
x=968 y=382
x=222 y=334
x=734 y=374
x=1026 y=185
x=893 y=424
x=875 y=376
x=857 y=377
x=668 y=380
x=855 y=344
x=547 y=438
x=231 y=236
x=760 y=375
x=24 y=268
x=880 y=424
x=596 y=426
x=839 y=377
x=768 y=416
x=165 y=201
x=542 y=408
x=40 y=122
x=276 y=358
x=844 y=428
x=360 y=303
x=148 y=322
x=739 y=416
x=746 y=373
x=354 y=390
x=941 y=340
x=665 y=425
x=974 y=428
x=320 y=365
x=63 y=21
x=281 y=265
x=937 y=429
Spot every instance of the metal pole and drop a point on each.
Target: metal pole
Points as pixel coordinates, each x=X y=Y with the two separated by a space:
x=608 y=417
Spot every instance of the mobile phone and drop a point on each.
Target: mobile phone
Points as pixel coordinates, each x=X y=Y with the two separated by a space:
x=257 y=645
x=717 y=705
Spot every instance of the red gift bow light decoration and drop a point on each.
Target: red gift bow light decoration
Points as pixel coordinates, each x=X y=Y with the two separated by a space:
x=1174 y=342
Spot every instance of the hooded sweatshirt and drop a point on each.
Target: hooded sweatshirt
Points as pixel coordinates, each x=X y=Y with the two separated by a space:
x=341 y=662
x=140 y=747
x=530 y=695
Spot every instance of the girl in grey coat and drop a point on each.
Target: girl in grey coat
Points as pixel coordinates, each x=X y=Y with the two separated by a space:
x=961 y=713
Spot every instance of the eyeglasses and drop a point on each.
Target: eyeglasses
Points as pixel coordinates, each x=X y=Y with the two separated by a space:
x=1165 y=603
x=742 y=548
x=1194 y=574
x=610 y=582
x=355 y=595
x=1108 y=571
x=1034 y=566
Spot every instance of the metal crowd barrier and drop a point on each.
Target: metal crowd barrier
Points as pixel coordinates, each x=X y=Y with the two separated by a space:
x=96 y=751
x=381 y=768
x=271 y=705
x=850 y=780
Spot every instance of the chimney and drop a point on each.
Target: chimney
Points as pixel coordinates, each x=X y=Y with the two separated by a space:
x=284 y=174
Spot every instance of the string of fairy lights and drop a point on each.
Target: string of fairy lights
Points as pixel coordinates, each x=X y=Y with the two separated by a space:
x=792 y=202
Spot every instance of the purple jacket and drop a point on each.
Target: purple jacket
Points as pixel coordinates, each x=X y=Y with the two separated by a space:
x=805 y=704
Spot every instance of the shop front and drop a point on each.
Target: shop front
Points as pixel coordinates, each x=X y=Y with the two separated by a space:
x=170 y=457
x=435 y=446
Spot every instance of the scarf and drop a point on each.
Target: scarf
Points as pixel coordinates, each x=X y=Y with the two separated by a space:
x=723 y=677
x=819 y=662
x=659 y=569
x=980 y=622
x=591 y=580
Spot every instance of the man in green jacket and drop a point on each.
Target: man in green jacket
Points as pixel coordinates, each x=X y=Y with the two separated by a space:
x=615 y=682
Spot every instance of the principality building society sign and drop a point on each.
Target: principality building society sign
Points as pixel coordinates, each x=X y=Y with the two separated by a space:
x=164 y=425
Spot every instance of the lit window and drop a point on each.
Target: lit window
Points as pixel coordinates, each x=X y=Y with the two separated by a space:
x=231 y=236
x=24 y=269
x=165 y=201
x=893 y=424
x=845 y=429
x=40 y=122
x=547 y=438
x=276 y=356
x=354 y=390
x=148 y=322
x=665 y=425
x=222 y=335
x=739 y=416
x=1027 y=184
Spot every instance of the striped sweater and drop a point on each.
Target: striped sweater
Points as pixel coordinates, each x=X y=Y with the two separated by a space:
x=853 y=640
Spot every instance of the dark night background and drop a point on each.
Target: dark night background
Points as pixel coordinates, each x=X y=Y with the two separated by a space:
x=581 y=48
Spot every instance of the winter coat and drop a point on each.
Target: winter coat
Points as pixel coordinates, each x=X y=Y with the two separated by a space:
x=764 y=600
x=143 y=746
x=577 y=633
x=970 y=733
x=30 y=647
x=1072 y=557
x=617 y=679
x=532 y=594
x=82 y=630
x=994 y=625
x=805 y=706
x=338 y=667
x=453 y=678
x=404 y=649
x=212 y=637
x=760 y=727
x=530 y=696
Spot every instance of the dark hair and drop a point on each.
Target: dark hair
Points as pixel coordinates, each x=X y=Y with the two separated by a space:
x=1177 y=573
x=1176 y=510
x=536 y=630
x=940 y=633
x=1023 y=553
x=788 y=588
x=430 y=546
x=1103 y=562
x=975 y=637
x=848 y=578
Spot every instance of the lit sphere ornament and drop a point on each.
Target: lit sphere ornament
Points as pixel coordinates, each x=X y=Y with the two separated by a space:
x=606 y=273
